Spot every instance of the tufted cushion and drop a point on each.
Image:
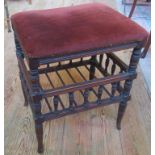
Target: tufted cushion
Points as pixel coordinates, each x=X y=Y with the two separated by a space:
x=60 y=31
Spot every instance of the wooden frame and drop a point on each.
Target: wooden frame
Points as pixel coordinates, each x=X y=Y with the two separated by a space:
x=119 y=93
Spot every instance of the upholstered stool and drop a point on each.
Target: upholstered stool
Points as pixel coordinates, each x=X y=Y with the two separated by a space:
x=49 y=41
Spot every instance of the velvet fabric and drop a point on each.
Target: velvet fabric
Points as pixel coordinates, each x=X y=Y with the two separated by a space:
x=54 y=32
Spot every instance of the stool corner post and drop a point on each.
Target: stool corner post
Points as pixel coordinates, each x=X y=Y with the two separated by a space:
x=36 y=101
x=19 y=51
x=128 y=85
x=34 y=75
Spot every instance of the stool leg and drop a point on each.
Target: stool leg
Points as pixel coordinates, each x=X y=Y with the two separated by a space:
x=20 y=55
x=22 y=85
x=36 y=103
x=92 y=67
x=121 y=111
x=39 y=135
x=25 y=96
x=128 y=84
x=123 y=104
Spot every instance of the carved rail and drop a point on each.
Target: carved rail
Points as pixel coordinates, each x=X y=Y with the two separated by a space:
x=80 y=108
x=88 y=84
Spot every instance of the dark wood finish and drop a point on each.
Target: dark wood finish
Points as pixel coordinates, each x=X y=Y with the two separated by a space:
x=92 y=67
x=133 y=8
x=97 y=60
x=128 y=84
x=20 y=54
x=24 y=92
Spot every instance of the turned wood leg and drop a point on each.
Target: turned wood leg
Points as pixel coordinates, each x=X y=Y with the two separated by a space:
x=20 y=55
x=38 y=122
x=23 y=90
x=92 y=67
x=25 y=96
x=39 y=135
x=123 y=104
x=36 y=103
x=127 y=85
x=121 y=111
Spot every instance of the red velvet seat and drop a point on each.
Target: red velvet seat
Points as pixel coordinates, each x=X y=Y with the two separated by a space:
x=60 y=31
